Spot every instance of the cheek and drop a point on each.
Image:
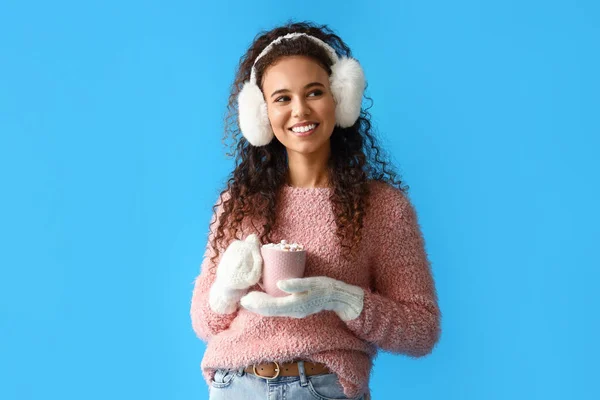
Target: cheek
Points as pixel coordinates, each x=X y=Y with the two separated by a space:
x=277 y=116
x=328 y=110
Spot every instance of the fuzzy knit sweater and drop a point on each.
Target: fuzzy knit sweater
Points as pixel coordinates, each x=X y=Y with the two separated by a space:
x=400 y=313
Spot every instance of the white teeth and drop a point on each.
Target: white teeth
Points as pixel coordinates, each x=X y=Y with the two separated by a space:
x=306 y=128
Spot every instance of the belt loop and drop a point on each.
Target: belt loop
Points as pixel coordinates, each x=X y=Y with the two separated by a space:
x=302 y=371
x=241 y=371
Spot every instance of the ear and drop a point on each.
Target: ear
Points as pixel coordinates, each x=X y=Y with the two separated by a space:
x=253 y=116
x=347 y=85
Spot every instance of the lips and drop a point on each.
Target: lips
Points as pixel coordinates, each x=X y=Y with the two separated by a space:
x=306 y=133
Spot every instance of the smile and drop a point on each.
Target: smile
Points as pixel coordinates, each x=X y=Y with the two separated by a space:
x=304 y=130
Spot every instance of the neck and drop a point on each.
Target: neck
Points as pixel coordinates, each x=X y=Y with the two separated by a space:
x=308 y=170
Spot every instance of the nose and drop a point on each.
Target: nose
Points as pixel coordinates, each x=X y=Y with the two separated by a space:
x=300 y=108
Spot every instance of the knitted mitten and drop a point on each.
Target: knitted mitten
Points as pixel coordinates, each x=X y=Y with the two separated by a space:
x=309 y=296
x=239 y=269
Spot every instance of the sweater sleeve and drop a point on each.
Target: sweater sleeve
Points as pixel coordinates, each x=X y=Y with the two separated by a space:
x=400 y=315
x=205 y=322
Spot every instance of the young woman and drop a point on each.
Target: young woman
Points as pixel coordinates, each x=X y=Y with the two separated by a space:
x=308 y=170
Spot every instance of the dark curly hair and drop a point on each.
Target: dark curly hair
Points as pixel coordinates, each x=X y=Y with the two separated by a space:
x=260 y=171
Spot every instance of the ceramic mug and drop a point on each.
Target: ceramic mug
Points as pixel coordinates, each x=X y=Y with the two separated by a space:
x=280 y=265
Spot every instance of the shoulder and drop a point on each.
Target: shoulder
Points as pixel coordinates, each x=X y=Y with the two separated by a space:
x=243 y=223
x=387 y=199
x=218 y=205
x=388 y=210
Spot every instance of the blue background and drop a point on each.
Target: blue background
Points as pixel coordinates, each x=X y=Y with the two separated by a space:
x=111 y=157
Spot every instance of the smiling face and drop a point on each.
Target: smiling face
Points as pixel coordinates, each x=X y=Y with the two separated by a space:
x=298 y=97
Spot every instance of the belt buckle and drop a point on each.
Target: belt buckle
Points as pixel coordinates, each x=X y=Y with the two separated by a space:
x=277 y=370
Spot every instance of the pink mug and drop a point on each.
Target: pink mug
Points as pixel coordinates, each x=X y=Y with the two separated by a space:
x=280 y=265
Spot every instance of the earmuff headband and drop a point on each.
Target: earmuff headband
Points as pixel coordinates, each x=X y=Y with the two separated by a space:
x=330 y=51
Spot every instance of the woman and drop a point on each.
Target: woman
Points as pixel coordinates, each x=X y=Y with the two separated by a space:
x=308 y=170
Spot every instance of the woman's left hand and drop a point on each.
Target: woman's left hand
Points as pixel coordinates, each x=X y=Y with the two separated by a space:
x=308 y=296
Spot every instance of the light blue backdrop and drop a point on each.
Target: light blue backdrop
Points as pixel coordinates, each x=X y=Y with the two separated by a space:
x=111 y=156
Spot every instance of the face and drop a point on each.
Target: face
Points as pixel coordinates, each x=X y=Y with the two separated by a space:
x=300 y=104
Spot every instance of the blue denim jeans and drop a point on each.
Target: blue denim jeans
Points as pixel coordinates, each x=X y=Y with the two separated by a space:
x=233 y=384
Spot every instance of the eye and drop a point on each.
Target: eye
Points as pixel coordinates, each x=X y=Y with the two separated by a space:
x=316 y=93
x=282 y=99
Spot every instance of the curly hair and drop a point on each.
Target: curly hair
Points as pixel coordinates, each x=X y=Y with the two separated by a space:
x=259 y=172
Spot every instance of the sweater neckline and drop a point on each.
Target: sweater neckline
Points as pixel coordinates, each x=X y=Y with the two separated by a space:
x=305 y=190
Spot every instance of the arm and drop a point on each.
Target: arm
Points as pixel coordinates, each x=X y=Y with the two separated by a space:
x=401 y=315
x=205 y=322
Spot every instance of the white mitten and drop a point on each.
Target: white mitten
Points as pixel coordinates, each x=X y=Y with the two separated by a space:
x=239 y=269
x=308 y=296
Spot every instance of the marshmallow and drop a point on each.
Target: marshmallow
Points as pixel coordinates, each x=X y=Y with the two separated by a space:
x=285 y=246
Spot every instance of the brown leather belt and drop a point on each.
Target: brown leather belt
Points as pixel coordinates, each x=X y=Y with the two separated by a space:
x=273 y=369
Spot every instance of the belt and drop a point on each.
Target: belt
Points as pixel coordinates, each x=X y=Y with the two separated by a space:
x=273 y=369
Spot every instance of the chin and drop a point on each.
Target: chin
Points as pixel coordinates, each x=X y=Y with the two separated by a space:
x=307 y=145
x=305 y=148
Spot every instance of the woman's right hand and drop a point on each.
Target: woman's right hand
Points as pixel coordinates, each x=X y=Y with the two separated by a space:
x=239 y=269
x=241 y=264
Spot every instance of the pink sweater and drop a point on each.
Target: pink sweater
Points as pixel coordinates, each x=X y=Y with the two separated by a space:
x=400 y=313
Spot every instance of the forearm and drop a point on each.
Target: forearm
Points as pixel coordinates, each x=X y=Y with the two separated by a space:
x=224 y=300
x=205 y=321
x=409 y=326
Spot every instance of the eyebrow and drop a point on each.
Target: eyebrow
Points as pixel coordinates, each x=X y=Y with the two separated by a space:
x=305 y=87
